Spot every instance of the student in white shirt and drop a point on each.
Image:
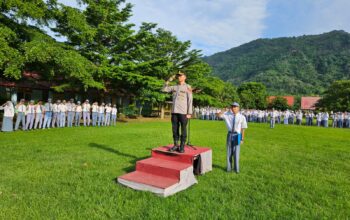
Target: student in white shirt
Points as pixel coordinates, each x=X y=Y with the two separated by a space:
x=114 y=115
x=78 y=111
x=94 y=112
x=70 y=112
x=56 y=113
x=48 y=107
x=9 y=113
x=101 y=114
x=21 y=115
x=30 y=115
x=273 y=115
x=63 y=110
x=325 y=118
x=86 y=112
x=236 y=124
x=39 y=111
x=108 y=114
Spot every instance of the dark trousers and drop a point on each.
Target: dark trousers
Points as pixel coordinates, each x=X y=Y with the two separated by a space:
x=177 y=121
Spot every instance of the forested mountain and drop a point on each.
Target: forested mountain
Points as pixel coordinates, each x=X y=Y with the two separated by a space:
x=304 y=65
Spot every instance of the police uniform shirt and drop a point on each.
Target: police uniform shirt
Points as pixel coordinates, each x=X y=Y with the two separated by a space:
x=240 y=121
x=182 y=98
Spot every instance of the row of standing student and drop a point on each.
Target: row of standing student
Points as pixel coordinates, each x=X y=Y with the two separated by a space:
x=321 y=119
x=58 y=114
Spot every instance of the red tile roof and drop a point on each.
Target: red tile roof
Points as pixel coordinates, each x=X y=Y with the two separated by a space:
x=308 y=103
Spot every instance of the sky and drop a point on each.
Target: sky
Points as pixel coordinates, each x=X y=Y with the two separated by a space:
x=218 y=25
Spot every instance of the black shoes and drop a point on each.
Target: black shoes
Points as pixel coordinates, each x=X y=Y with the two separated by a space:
x=182 y=147
x=174 y=148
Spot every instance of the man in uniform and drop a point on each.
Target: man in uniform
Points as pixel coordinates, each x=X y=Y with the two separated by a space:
x=236 y=124
x=181 y=109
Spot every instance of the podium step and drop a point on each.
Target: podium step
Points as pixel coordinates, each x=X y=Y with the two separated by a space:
x=149 y=179
x=160 y=167
x=167 y=173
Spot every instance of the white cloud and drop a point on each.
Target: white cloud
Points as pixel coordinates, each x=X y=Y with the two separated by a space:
x=329 y=15
x=211 y=25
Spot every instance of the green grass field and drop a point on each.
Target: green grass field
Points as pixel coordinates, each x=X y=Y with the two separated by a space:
x=289 y=172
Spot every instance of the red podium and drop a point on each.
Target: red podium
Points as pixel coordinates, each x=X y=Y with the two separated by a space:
x=166 y=173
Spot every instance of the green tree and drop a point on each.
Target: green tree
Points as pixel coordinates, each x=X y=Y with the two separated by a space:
x=279 y=103
x=27 y=47
x=336 y=97
x=253 y=95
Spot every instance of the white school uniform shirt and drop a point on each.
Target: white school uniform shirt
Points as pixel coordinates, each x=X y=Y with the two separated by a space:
x=70 y=107
x=101 y=109
x=273 y=114
x=86 y=107
x=21 y=108
x=38 y=109
x=55 y=108
x=62 y=107
x=108 y=109
x=240 y=121
x=78 y=108
x=30 y=109
x=300 y=115
x=319 y=117
x=9 y=111
x=48 y=107
x=325 y=116
x=286 y=115
x=94 y=108
x=114 y=111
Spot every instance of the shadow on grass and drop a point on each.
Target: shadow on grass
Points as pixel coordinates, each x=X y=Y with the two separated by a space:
x=219 y=167
x=133 y=158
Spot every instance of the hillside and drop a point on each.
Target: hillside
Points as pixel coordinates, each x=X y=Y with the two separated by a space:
x=303 y=65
